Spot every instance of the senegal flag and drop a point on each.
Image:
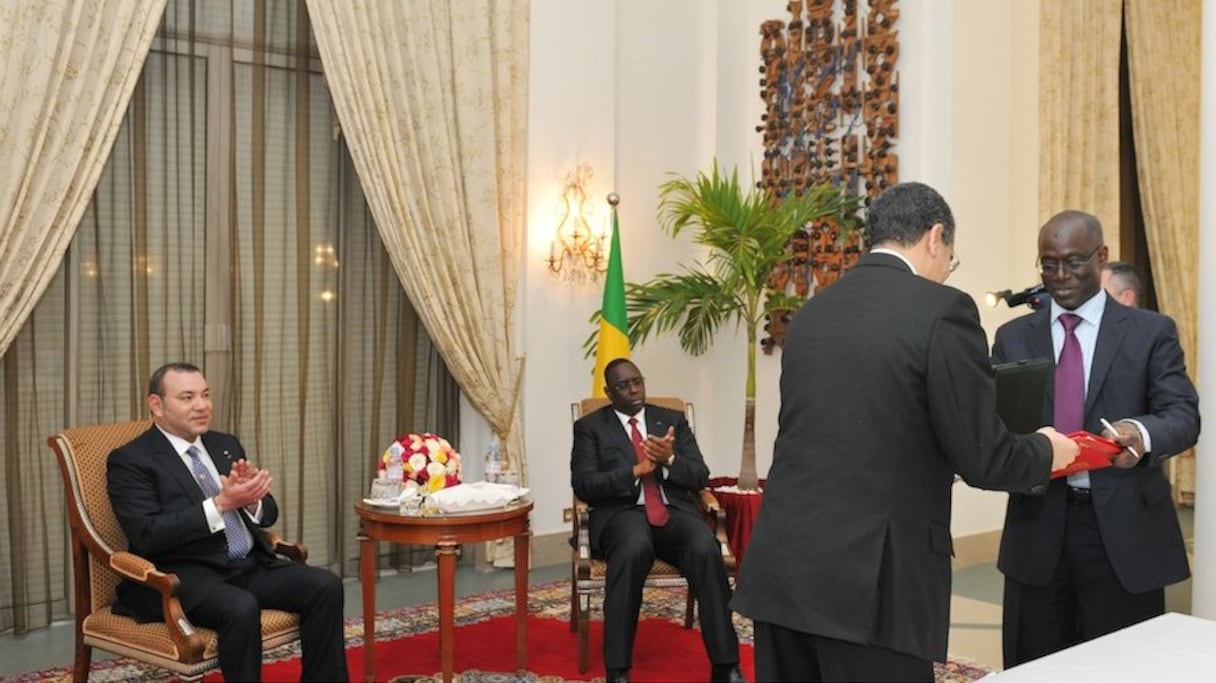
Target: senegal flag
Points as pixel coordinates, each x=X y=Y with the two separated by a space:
x=613 y=340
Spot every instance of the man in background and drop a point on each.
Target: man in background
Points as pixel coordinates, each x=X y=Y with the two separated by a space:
x=639 y=468
x=886 y=393
x=1122 y=281
x=1095 y=553
x=190 y=502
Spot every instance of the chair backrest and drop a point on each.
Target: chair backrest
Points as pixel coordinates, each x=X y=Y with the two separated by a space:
x=82 y=453
x=589 y=405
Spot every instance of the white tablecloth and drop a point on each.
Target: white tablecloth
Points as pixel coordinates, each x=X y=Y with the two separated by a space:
x=1171 y=647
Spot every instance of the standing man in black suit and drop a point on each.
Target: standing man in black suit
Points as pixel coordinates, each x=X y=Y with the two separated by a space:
x=1095 y=554
x=639 y=468
x=886 y=393
x=190 y=502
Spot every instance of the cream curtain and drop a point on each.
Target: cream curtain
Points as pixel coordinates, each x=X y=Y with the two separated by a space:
x=228 y=229
x=1163 y=52
x=69 y=69
x=1079 y=109
x=432 y=98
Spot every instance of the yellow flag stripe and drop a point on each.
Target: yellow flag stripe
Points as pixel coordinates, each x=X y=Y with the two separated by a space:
x=613 y=343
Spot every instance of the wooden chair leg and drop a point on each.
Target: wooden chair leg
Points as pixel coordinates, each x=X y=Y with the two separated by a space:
x=574 y=611
x=689 y=608
x=84 y=659
x=584 y=633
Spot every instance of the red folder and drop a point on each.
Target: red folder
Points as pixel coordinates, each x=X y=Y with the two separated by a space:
x=1096 y=453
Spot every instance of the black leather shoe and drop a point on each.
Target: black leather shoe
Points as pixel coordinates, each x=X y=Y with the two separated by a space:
x=617 y=676
x=727 y=674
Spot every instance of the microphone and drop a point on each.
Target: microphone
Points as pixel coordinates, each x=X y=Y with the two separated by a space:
x=1034 y=296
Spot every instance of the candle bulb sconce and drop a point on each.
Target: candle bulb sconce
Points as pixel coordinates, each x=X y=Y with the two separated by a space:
x=578 y=252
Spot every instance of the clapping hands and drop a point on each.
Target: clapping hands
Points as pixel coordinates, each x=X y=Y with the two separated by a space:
x=658 y=449
x=244 y=486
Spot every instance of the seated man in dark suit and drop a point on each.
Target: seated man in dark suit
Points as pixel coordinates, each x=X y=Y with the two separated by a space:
x=639 y=468
x=190 y=502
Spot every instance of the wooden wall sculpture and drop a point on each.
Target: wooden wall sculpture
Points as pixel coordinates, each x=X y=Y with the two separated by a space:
x=831 y=93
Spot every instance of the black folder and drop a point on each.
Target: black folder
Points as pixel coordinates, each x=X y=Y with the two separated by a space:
x=1021 y=387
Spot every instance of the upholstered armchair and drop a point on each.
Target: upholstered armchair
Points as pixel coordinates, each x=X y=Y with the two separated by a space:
x=100 y=560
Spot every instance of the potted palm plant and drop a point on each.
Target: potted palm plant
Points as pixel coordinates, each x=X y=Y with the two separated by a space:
x=747 y=234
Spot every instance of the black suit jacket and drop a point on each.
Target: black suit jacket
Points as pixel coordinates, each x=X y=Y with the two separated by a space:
x=158 y=504
x=1137 y=372
x=886 y=393
x=602 y=460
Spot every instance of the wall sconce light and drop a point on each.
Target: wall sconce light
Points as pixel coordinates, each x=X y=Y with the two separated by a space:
x=578 y=252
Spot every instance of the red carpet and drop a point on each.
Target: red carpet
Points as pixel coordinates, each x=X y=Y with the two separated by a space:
x=676 y=654
x=407 y=645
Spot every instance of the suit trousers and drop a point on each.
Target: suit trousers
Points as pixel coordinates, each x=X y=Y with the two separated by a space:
x=783 y=654
x=1083 y=600
x=629 y=545
x=233 y=609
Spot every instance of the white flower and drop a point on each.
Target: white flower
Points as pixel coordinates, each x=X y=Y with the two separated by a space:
x=418 y=462
x=436 y=470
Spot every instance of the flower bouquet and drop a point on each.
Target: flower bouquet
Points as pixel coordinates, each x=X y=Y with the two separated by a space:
x=422 y=463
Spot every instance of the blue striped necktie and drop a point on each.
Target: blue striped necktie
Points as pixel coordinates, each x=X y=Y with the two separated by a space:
x=239 y=540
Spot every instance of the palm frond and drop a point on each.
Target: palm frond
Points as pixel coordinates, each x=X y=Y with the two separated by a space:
x=780 y=301
x=694 y=303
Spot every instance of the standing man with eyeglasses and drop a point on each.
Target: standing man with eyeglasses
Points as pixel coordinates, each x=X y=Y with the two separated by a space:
x=1095 y=554
x=639 y=468
x=886 y=392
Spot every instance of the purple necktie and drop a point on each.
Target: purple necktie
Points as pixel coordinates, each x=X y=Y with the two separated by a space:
x=1070 y=379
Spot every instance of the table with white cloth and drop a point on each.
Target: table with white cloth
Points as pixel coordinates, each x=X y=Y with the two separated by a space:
x=1171 y=647
x=446 y=532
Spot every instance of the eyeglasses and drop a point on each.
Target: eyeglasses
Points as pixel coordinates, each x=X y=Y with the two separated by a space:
x=627 y=384
x=955 y=262
x=1049 y=266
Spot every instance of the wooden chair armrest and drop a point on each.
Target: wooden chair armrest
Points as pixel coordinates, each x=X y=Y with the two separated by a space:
x=720 y=533
x=715 y=517
x=134 y=568
x=291 y=550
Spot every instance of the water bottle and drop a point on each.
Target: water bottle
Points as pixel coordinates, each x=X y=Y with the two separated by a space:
x=493 y=463
x=395 y=467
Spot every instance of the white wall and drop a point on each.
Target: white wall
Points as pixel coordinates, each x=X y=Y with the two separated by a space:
x=638 y=89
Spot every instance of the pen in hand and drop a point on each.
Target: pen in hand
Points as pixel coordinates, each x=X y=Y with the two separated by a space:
x=1111 y=428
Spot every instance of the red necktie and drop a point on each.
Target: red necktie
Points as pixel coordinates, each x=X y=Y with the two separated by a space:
x=1070 y=379
x=656 y=511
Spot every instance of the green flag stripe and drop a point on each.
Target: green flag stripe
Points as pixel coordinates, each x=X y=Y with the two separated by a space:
x=613 y=308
